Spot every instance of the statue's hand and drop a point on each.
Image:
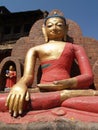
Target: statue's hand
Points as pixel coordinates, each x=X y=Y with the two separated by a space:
x=16 y=98
x=62 y=83
x=67 y=83
x=59 y=85
x=50 y=87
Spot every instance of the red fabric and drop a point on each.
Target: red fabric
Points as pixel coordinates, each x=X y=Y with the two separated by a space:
x=42 y=101
x=60 y=69
x=86 y=103
x=10 y=81
x=86 y=77
x=3 y=97
x=38 y=101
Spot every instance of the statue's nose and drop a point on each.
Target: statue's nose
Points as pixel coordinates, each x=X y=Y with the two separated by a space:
x=54 y=27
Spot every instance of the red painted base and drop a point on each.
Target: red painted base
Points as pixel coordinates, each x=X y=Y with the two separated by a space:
x=50 y=115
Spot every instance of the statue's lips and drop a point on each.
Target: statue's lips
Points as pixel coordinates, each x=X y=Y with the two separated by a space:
x=55 y=32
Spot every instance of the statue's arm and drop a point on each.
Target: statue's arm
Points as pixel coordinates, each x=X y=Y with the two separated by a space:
x=85 y=79
x=19 y=92
x=29 y=66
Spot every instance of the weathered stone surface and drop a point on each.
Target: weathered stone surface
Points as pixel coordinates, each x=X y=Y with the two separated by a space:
x=62 y=124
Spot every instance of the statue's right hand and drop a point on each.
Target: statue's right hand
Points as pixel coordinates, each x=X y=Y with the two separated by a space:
x=16 y=98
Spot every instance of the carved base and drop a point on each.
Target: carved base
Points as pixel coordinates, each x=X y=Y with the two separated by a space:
x=58 y=118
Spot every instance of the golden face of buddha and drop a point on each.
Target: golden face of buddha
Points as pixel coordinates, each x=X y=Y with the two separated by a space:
x=55 y=28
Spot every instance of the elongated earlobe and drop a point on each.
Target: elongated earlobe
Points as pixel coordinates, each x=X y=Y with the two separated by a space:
x=65 y=36
x=45 y=33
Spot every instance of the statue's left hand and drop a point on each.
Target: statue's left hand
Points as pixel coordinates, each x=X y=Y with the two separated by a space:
x=16 y=98
x=67 y=83
x=50 y=87
x=59 y=85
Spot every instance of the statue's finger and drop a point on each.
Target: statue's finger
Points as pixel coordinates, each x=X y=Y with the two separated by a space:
x=8 y=100
x=39 y=85
x=55 y=82
x=20 y=105
x=15 y=106
x=15 y=114
x=27 y=97
x=11 y=103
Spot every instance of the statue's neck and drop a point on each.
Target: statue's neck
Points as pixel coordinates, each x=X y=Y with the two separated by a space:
x=56 y=40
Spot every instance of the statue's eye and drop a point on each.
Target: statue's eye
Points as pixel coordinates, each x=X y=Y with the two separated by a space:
x=60 y=24
x=49 y=25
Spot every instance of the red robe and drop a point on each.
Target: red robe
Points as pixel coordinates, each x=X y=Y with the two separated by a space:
x=60 y=68
x=11 y=80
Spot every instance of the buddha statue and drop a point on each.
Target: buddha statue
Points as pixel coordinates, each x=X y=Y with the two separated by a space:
x=56 y=56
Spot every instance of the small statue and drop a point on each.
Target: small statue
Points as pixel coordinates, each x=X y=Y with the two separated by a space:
x=56 y=57
x=10 y=77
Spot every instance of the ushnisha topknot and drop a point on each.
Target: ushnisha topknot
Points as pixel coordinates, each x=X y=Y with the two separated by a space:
x=53 y=16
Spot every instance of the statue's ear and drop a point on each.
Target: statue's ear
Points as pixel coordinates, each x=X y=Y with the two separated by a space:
x=44 y=33
x=66 y=31
x=66 y=27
